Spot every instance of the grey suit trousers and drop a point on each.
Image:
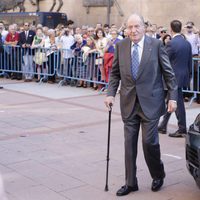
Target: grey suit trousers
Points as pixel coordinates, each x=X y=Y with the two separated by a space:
x=150 y=142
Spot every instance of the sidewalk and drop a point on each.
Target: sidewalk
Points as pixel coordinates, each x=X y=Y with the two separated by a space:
x=53 y=144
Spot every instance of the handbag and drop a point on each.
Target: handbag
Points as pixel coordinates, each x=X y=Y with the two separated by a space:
x=40 y=57
x=99 y=61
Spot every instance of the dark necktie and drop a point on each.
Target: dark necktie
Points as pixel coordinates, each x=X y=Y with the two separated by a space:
x=135 y=61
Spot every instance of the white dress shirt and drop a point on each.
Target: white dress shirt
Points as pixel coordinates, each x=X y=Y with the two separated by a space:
x=140 y=48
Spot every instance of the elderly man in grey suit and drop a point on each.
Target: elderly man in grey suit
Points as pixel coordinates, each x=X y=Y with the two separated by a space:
x=140 y=62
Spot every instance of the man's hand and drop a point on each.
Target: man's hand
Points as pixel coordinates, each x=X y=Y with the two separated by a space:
x=172 y=105
x=109 y=101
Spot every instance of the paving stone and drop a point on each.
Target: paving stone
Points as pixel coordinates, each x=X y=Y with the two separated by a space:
x=53 y=147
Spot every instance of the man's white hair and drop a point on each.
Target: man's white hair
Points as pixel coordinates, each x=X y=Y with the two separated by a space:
x=137 y=15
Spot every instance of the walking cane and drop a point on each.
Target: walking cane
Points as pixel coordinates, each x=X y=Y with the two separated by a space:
x=108 y=147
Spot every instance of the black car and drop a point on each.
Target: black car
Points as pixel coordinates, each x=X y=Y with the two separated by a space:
x=193 y=150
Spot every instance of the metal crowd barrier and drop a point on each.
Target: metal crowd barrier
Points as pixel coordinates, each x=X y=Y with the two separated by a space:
x=44 y=62
x=80 y=67
x=194 y=87
x=17 y=60
x=70 y=67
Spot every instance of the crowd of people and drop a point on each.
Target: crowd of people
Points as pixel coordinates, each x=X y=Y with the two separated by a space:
x=66 y=44
x=145 y=62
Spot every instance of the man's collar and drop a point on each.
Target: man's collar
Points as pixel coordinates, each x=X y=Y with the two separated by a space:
x=176 y=35
x=140 y=43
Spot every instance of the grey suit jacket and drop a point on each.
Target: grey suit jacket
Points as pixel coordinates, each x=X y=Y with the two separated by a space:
x=148 y=86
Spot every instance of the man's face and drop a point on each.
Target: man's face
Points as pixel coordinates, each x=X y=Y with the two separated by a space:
x=26 y=26
x=136 y=28
x=113 y=27
x=106 y=29
x=154 y=28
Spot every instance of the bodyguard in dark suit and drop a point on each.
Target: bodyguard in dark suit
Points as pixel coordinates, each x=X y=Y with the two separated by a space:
x=140 y=62
x=180 y=55
x=25 y=41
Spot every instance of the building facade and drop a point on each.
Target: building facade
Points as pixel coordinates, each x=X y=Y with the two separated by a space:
x=159 y=12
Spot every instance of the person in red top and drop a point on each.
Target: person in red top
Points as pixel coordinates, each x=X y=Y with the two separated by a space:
x=13 y=63
x=12 y=37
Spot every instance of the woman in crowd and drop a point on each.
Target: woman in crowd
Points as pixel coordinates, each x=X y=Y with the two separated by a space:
x=39 y=58
x=125 y=33
x=52 y=56
x=89 y=57
x=78 y=68
x=166 y=39
x=109 y=53
x=101 y=43
x=90 y=32
x=12 y=51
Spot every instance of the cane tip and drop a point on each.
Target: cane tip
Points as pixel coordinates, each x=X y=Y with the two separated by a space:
x=106 y=189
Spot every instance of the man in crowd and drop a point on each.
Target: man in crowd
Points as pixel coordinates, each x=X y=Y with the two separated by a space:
x=106 y=29
x=193 y=38
x=140 y=62
x=70 y=26
x=3 y=31
x=25 y=41
x=180 y=55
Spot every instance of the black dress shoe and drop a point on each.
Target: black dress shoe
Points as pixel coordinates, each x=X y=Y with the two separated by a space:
x=156 y=184
x=124 y=190
x=178 y=134
x=162 y=130
x=1 y=87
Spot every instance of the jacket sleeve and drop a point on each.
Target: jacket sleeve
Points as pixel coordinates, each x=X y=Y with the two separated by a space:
x=20 y=40
x=168 y=73
x=190 y=61
x=115 y=74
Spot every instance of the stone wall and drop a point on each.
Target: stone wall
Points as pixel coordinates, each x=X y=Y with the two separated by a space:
x=160 y=12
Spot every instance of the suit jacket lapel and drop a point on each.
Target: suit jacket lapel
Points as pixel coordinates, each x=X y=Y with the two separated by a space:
x=145 y=55
x=127 y=58
x=128 y=55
